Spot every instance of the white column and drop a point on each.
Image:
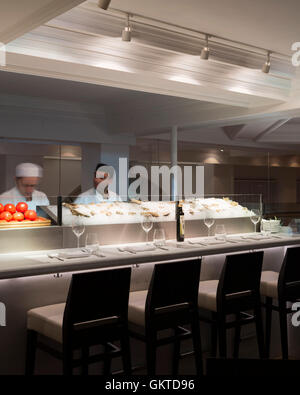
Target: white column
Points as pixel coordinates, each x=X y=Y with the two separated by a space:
x=174 y=161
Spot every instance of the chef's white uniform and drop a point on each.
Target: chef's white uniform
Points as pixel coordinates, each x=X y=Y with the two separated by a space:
x=14 y=196
x=93 y=196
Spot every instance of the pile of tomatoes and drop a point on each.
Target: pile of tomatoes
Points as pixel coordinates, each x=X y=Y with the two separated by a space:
x=19 y=213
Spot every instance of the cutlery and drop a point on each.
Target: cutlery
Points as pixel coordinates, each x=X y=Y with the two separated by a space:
x=55 y=256
x=93 y=253
x=197 y=242
x=162 y=248
x=123 y=250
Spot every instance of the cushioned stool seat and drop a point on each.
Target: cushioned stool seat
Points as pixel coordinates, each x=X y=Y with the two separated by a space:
x=207 y=295
x=95 y=314
x=169 y=304
x=269 y=284
x=47 y=320
x=136 y=307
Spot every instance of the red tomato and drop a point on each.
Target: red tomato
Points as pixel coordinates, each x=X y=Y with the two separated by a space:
x=30 y=214
x=22 y=207
x=10 y=208
x=18 y=216
x=1 y=208
x=6 y=215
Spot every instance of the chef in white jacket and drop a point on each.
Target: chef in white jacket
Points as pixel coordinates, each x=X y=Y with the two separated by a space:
x=100 y=192
x=28 y=176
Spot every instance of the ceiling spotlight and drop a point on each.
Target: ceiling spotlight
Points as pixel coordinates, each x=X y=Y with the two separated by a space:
x=126 y=33
x=267 y=64
x=104 y=4
x=205 y=50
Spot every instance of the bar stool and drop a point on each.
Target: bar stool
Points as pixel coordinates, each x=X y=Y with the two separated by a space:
x=95 y=313
x=284 y=287
x=170 y=302
x=236 y=292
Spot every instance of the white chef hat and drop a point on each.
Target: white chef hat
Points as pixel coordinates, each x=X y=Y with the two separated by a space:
x=29 y=170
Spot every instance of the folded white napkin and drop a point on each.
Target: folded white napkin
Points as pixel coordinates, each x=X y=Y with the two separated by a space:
x=73 y=254
x=261 y=237
x=207 y=242
x=139 y=248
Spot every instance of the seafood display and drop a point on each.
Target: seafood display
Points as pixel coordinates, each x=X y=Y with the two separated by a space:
x=160 y=211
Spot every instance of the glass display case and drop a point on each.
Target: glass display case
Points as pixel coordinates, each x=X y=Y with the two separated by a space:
x=133 y=211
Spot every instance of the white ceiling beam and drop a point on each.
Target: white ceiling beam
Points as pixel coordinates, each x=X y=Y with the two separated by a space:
x=14 y=24
x=271 y=129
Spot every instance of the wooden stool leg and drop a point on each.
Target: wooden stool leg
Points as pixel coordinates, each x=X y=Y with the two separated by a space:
x=283 y=329
x=176 y=353
x=237 y=337
x=197 y=345
x=259 y=332
x=30 y=352
x=107 y=361
x=214 y=337
x=222 y=335
x=84 y=360
x=269 y=302
x=126 y=354
x=151 y=352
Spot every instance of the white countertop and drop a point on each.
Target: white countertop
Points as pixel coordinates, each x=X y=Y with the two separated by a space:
x=33 y=263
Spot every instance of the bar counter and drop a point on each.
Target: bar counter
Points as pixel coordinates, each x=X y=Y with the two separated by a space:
x=32 y=263
x=31 y=279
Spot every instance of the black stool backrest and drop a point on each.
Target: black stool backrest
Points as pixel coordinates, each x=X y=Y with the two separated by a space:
x=289 y=276
x=173 y=288
x=96 y=299
x=240 y=280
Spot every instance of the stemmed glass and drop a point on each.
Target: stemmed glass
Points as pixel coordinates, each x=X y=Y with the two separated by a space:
x=147 y=225
x=255 y=218
x=78 y=228
x=209 y=221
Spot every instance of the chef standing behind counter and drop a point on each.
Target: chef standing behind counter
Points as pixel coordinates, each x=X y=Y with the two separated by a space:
x=100 y=192
x=28 y=176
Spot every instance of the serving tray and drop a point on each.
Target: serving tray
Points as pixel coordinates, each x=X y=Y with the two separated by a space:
x=40 y=221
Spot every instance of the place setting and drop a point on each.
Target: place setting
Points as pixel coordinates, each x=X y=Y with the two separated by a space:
x=158 y=243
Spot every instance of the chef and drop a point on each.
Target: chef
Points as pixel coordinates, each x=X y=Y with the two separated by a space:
x=100 y=192
x=28 y=176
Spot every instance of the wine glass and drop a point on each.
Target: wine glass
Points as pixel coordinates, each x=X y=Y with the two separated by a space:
x=209 y=221
x=220 y=232
x=159 y=238
x=78 y=228
x=255 y=218
x=91 y=243
x=147 y=225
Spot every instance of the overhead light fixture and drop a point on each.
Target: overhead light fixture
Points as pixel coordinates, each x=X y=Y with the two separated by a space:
x=267 y=64
x=205 y=51
x=126 y=33
x=104 y=4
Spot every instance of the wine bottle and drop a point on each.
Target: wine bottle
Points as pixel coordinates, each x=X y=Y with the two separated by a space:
x=179 y=222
